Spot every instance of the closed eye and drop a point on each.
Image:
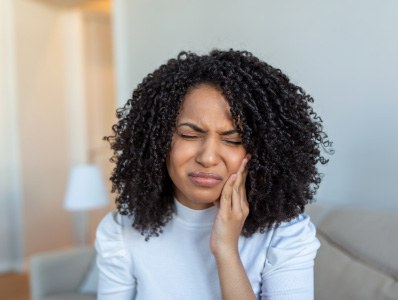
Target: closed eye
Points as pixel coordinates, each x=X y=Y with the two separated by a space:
x=188 y=136
x=233 y=142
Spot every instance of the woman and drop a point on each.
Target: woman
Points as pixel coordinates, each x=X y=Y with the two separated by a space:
x=215 y=161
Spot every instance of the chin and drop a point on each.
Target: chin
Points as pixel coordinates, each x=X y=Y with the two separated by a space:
x=207 y=196
x=199 y=197
x=205 y=199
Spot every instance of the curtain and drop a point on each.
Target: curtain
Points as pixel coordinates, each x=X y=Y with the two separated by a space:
x=11 y=252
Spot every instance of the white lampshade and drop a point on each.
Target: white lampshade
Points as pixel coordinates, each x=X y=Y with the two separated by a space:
x=86 y=189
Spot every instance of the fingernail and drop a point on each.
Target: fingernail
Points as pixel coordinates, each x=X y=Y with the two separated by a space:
x=245 y=163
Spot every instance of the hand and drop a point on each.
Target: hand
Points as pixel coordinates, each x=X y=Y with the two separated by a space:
x=232 y=213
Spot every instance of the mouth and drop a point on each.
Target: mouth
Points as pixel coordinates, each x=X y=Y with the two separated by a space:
x=204 y=179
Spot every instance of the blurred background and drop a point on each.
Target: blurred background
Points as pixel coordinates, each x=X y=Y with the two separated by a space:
x=66 y=65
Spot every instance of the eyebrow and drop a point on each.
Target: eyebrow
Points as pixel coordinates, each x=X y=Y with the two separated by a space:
x=198 y=129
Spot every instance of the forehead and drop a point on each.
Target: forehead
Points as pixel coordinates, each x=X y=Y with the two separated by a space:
x=205 y=104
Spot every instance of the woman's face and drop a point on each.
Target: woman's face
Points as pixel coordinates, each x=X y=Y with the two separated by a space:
x=206 y=148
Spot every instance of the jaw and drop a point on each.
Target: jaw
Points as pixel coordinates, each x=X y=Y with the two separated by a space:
x=198 y=197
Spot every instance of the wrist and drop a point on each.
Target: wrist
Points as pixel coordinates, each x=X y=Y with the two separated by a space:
x=226 y=254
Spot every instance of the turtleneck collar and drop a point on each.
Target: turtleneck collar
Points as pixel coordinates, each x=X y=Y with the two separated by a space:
x=193 y=217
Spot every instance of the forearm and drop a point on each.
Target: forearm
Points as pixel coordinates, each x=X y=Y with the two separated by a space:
x=227 y=227
x=234 y=282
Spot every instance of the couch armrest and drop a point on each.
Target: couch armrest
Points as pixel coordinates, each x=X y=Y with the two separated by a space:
x=60 y=271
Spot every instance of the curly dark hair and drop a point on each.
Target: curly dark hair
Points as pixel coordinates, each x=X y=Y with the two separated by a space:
x=279 y=129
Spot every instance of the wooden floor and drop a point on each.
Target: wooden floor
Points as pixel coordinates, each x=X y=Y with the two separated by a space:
x=14 y=286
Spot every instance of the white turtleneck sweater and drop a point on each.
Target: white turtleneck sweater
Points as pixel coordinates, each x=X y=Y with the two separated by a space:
x=179 y=264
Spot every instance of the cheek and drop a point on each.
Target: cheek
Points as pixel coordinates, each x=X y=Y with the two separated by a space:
x=179 y=153
x=235 y=159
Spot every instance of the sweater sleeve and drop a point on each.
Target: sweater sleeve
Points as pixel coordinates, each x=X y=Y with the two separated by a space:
x=289 y=269
x=116 y=279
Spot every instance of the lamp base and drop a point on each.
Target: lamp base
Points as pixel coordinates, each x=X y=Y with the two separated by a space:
x=80 y=227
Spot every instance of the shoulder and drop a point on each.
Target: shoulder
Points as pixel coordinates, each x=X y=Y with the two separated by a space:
x=299 y=228
x=116 y=268
x=110 y=234
x=293 y=242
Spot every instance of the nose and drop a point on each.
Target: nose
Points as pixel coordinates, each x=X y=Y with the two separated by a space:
x=208 y=154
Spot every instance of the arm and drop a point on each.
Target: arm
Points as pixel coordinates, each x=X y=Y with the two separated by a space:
x=116 y=280
x=233 y=279
x=233 y=210
x=288 y=273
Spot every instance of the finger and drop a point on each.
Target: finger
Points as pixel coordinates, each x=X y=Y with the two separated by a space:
x=244 y=204
x=241 y=170
x=243 y=167
x=226 y=194
x=239 y=185
x=242 y=189
x=246 y=169
x=236 y=199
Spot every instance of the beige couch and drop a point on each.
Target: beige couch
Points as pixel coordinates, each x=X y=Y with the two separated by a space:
x=358 y=260
x=63 y=275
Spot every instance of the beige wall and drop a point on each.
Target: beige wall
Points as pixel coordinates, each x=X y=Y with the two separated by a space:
x=44 y=100
x=100 y=97
x=43 y=127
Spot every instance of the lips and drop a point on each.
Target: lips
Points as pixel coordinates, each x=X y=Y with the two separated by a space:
x=204 y=179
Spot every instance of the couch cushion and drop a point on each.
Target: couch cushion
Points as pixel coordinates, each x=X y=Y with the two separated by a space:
x=70 y=296
x=340 y=276
x=369 y=236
